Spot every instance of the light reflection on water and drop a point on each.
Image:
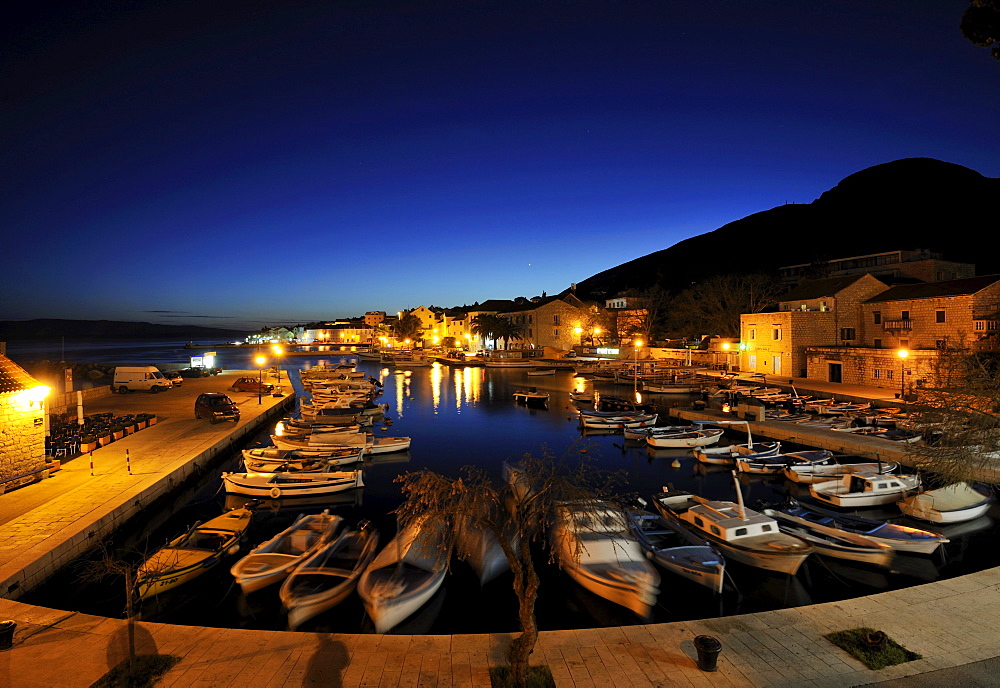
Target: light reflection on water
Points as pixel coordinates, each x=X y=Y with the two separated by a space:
x=471 y=419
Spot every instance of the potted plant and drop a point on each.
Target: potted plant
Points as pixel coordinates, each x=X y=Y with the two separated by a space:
x=104 y=437
x=88 y=443
x=129 y=423
x=152 y=418
x=141 y=420
x=117 y=432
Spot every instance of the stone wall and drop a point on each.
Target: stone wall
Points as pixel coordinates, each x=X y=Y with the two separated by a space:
x=22 y=437
x=60 y=403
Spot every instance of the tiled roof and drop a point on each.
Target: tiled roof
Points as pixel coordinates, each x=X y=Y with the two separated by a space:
x=13 y=377
x=928 y=290
x=817 y=289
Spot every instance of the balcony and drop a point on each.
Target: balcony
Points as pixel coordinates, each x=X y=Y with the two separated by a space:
x=897 y=324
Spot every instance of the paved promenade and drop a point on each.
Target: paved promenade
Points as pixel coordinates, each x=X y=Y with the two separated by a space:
x=954 y=624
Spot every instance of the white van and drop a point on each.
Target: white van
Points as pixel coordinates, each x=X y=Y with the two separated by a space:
x=139 y=377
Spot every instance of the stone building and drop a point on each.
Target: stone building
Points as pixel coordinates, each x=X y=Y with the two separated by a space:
x=889 y=266
x=22 y=422
x=920 y=320
x=553 y=321
x=822 y=312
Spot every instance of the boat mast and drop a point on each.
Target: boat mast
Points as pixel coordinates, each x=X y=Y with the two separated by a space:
x=739 y=497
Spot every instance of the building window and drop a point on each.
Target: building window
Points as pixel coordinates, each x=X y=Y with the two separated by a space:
x=877 y=374
x=878 y=344
x=555 y=319
x=877 y=317
x=847 y=334
x=888 y=374
x=904 y=315
x=904 y=343
x=776 y=333
x=555 y=333
x=753 y=334
x=939 y=316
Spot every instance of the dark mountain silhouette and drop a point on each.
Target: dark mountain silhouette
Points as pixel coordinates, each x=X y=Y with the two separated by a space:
x=914 y=203
x=107 y=329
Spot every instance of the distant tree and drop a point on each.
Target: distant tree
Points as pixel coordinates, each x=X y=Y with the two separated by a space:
x=517 y=513
x=981 y=25
x=958 y=411
x=407 y=327
x=714 y=305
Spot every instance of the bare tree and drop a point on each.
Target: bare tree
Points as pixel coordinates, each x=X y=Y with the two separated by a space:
x=518 y=513
x=958 y=412
x=714 y=305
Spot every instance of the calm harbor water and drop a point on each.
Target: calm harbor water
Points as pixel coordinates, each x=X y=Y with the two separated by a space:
x=463 y=416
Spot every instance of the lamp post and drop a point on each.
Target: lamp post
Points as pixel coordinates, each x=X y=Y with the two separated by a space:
x=902 y=353
x=260 y=376
x=278 y=352
x=636 y=345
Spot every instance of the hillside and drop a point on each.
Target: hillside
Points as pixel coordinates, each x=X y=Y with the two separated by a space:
x=914 y=203
x=11 y=330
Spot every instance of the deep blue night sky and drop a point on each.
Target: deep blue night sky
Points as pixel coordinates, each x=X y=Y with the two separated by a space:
x=240 y=163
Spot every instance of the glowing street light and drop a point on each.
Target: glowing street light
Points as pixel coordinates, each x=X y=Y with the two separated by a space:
x=278 y=352
x=636 y=345
x=260 y=360
x=902 y=353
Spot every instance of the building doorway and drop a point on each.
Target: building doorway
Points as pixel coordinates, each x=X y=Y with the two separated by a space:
x=836 y=372
x=776 y=370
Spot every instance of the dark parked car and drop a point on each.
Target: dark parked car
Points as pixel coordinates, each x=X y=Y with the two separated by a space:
x=200 y=372
x=251 y=384
x=216 y=406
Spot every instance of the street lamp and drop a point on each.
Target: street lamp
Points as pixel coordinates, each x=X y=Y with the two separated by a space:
x=636 y=345
x=278 y=352
x=260 y=376
x=902 y=353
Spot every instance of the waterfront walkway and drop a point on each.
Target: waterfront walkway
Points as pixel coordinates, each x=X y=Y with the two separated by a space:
x=954 y=624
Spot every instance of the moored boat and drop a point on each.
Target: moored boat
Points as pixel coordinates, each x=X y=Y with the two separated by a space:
x=742 y=534
x=285 y=485
x=405 y=574
x=595 y=547
x=680 y=440
x=954 y=503
x=271 y=561
x=855 y=490
x=195 y=552
x=531 y=396
x=817 y=473
x=676 y=548
x=839 y=545
x=329 y=574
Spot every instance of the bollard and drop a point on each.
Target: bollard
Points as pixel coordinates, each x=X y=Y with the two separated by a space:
x=708 y=648
x=7 y=634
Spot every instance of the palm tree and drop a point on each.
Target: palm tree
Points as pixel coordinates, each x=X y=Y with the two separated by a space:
x=507 y=330
x=485 y=327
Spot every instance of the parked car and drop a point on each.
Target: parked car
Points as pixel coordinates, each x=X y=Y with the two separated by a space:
x=198 y=372
x=216 y=406
x=175 y=378
x=251 y=384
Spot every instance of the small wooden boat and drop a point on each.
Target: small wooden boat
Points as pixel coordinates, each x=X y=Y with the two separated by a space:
x=839 y=545
x=618 y=422
x=680 y=440
x=726 y=456
x=538 y=372
x=676 y=548
x=817 y=473
x=900 y=538
x=672 y=388
x=856 y=490
x=263 y=457
x=742 y=534
x=321 y=441
x=641 y=433
x=329 y=574
x=776 y=463
x=271 y=561
x=594 y=546
x=195 y=552
x=406 y=574
x=582 y=397
x=951 y=504
x=286 y=485
x=479 y=547
x=531 y=396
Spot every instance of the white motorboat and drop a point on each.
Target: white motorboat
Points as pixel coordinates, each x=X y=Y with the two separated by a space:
x=406 y=574
x=479 y=547
x=817 y=473
x=286 y=485
x=839 y=545
x=321 y=440
x=681 y=440
x=329 y=574
x=900 y=538
x=855 y=490
x=582 y=397
x=272 y=560
x=742 y=534
x=676 y=548
x=594 y=546
x=950 y=504
x=539 y=372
